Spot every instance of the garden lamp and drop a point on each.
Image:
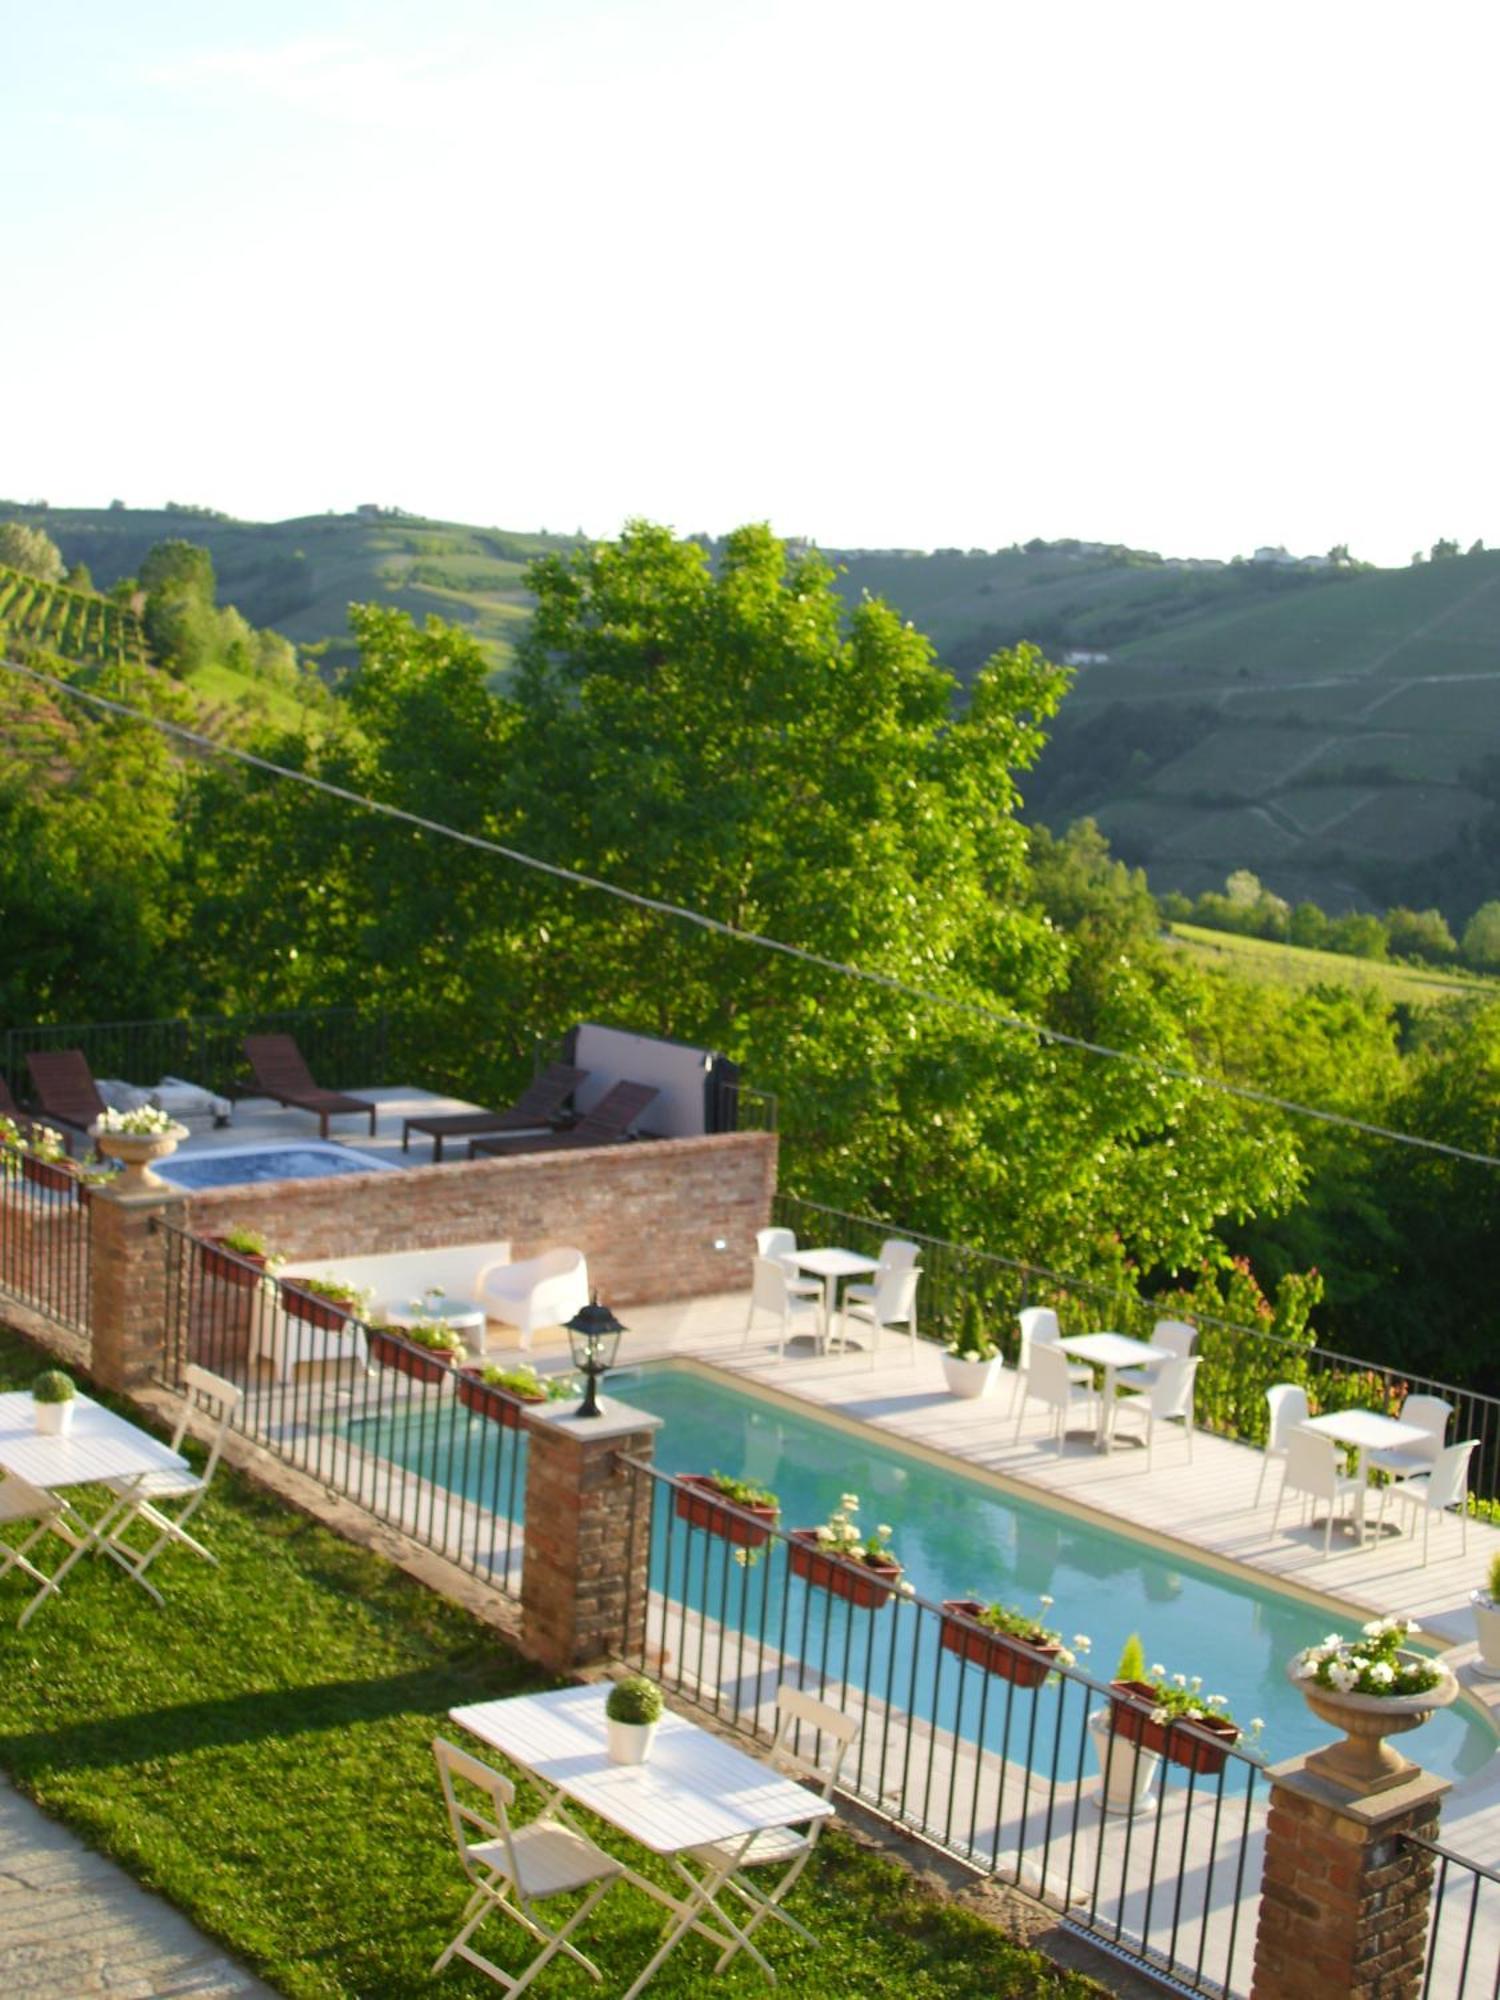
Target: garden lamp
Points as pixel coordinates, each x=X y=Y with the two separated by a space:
x=594 y=1336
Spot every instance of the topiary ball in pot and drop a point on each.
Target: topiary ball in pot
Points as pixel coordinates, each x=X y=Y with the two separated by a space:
x=54 y=1396
x=632 y=1710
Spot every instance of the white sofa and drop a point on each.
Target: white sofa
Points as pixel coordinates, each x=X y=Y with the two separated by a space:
x=539 y=1291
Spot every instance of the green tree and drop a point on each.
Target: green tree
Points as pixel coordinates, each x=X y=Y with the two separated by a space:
x=1480 y=946
x=30 y=550
x=1308 y=926
x=1360 y=934
x=1420 y=934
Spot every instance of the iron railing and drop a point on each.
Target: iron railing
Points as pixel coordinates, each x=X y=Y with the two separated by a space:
x=1463 y=1957
x=344 y=1048
x=1239 y=1362
x=45 y=1239
x=351 y=1404
x=1008 y=1777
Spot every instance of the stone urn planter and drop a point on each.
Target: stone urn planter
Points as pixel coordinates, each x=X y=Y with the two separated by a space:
x=999 y=1653
x=1128 y=1769
x=970 y=1379
x=701 y=1504
x=869 y=1586
x=136 y=1151
x=1364 y=1761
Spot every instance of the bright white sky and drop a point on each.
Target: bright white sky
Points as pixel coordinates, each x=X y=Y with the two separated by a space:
x=1189 y=276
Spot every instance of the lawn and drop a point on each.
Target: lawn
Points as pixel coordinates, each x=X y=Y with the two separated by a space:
x=1295 y=965
x=259 y=1752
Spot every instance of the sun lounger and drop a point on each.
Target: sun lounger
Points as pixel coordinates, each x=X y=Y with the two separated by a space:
x=281 y=1073
x=534 y=1110
x=606 y=1125
x=66 y=1093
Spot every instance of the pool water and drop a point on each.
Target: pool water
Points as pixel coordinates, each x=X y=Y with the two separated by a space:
x=232 y=1166
x=957 y=1537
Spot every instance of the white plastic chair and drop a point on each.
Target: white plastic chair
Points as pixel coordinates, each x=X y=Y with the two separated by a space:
x=771 y=1291
x=1166 y=1400
x=1445 y=1485
x=896 y=1254
x=780 y=1845
x=1176 y=1336
x=539 y=1291
x=1039 y=1328
x=1049 y=1380
x=781 y=1244
x=204 y=1391
x=1287 y=1403
x=514 y=1869
x=1312 y=1468
x=892 y=1305
x=23 y=1504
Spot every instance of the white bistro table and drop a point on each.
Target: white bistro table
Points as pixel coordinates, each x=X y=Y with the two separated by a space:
x=693 y=1791
x=1366 y=1430
x=97 y=1446
x=830 y=1266
x=1111 y=1352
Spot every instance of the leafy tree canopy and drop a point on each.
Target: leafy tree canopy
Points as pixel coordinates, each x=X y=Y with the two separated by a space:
x=30 y=550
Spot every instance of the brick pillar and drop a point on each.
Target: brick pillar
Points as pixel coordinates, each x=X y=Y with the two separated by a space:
x=588 y=1532
x=1344 y=1901
x=128 y=1285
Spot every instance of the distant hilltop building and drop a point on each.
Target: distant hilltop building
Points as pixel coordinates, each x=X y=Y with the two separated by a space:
x=1081 y=659
x=1281 y=558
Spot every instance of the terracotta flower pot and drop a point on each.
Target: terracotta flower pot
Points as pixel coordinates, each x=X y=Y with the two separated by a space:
x=996 y=1652
x=501 y=1406
x=1182 y=1741
x=244 y=1268
x=313 y=1309
x=389 y=1350
x=56 y=1176
x=866 y=1585
x=702 y=1505
x=1364 y=1762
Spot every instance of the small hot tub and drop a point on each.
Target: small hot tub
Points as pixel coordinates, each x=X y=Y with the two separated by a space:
x=233 y=1166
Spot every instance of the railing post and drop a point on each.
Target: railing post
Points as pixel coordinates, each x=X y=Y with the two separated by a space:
x=1344 y=1896
x=584 y=1572
x=128 y=1285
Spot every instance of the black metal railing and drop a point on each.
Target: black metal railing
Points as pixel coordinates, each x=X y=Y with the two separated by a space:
x=45 y=1238
x=1463 y=1931
x=1239 y=1362
x=1010 y=1777
x=754 y=1110
x=344 y=1048
x=401 y=1434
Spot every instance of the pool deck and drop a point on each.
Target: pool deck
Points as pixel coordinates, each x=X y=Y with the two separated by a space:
x=260 y=1121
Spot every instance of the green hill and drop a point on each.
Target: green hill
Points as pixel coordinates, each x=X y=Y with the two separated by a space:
x=75 y=624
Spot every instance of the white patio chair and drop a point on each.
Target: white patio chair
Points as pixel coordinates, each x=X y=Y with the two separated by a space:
x=892 y=1305
x=781 y=1244
x=1166 y=1400
x=1445 y=1485
x=1287 y=1403
x=1039 y=1328
x=22 y=1504
x=1049 y=1380
x=539 y=1291
x=1312 y=1467
x=515 y=1868
x=1176 y=1336
x=771 y=1292
x=896 y=1254
x=780 y=1845
x=202 y=1391
x=1428 y=1413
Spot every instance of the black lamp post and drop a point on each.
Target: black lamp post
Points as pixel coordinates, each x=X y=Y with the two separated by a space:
x=594 y=1336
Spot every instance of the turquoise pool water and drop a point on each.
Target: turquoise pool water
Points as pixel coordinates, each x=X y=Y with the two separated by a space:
x=958 y=1537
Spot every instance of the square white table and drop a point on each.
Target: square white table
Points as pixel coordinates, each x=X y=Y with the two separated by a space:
x=98 y=1446
x=1111 y=1352
x=694 y=1790
x=830 y=1266
x=1366 y=1430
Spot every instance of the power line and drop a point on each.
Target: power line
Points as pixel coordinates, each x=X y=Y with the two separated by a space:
x=681 y=913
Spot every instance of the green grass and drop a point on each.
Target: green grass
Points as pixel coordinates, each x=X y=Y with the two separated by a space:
x=258 y=1752
x=1296 y=965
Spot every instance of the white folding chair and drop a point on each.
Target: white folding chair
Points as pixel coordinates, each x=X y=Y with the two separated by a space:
x=22 y=1504
x=771 y=1292
x=775 y=1846
x=1429 y=1414
x=1039 y=1328
x=892 y=1305
x=1287 y=1403
x=1049 y=1381
x=202 y=1390
x=781 y=1245
x=1312 y=1468
x=1445 y=1486
x=512 y=1869
x=1166 y=1400
x=1176 y=1336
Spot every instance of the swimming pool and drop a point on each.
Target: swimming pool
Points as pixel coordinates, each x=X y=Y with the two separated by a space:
x=958 y=1537
x=232 y=1166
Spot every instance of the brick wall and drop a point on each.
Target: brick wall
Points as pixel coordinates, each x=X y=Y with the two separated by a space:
x=645 y=1215
x=588 y=1540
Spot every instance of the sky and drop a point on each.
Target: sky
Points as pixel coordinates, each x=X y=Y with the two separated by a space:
x=1190 y=277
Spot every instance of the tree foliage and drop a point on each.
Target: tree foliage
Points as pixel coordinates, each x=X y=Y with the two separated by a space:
x=31 y=550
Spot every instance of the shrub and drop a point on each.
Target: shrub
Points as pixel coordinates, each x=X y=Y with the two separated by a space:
x=634 y=1699
x=53 y=1386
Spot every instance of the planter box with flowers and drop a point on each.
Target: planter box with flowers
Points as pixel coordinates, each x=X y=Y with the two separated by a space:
x=44 y=1159
x=236 y=1257
x=720 y=1504
x=1171 y=1716
x=1005 y=1641
x=427 y=1350
x=135 y=1139
x=323 y=1302
x=837 y=1558
x=502 y=1393
x=1371 y=1688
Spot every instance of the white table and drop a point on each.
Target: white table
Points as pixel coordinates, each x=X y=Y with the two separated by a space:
x=98 y=1446
x=830 y=1266
x=694 y=1790
x=1111 y=1352
x=1366 y=1430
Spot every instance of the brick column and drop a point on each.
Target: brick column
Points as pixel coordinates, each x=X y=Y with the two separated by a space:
x=1344 y=1901
x=128 y=1285
x=588 y=1532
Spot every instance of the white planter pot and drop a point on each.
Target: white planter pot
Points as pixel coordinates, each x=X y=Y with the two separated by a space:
x=629 y=1742
x=1487 y=1626
x=969 y=1378
x=1128 y=1772
x=55 y=1419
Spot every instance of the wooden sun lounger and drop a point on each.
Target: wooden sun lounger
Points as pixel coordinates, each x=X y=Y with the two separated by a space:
x=533 y=1111
x=11 y=1110
x=281 y=1072
x=66 y=1093
x=606 y=1125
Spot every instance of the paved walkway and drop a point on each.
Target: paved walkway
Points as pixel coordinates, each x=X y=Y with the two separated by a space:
x=72 y=1925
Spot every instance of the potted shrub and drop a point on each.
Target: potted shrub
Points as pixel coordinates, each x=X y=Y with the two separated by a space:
x=324 y=1302
x=1127 y=1766
x=971 y=1360
x=839 y=1559
x=54 y=1395
x=427 y=1350
x=1371 y=1688
x=632 y=1710
x=1004 y=1640
x=500 y=1393
x=235 y=1257
x=135 y=1139
x=1486 y=1605
x=1169 y=1713
x=46 y=1164
x=701 y=1498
